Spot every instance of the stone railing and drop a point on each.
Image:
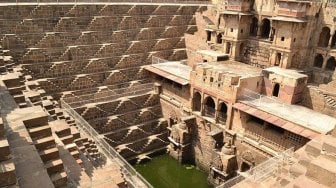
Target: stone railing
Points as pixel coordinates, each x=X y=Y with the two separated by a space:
x=76 y=101
x=263 y=170
x=131 y=175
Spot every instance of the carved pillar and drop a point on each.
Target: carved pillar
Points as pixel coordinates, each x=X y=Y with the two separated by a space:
x=259 y=30
x=216 y=113
x=325 y=59
x=331 y=37
x=157 y=88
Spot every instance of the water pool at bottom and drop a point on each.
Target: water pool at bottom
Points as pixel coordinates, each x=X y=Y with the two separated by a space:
x=165 y=172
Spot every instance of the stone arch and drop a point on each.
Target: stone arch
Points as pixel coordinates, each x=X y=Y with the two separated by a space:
x=324 y=37
x=248 y=161
x=208 y=35
x=254 y=27
x=197 y=101
x=331 y=64
x=333 y=41
x=219 y=39
x=209 y=106
x=265 y=28
x=228 y=47
x=223 y=109
x=276 y=90
x=318 y=61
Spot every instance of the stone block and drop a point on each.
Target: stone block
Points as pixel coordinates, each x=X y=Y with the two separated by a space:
x=40 y=132
x=323 y=171
x=2 y=128
x=304 y=182
x=49 y=154
x=297 y=170
x=7 y=173
x=44 y=143
x=4 y=150
x=67 y=139
x=59 y=179
x=313 y=148
x=54 y=166
x=40 y=118
x=329 y=145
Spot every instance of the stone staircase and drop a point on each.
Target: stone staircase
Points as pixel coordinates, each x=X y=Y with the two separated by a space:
x=40 y=132
x=7 y=170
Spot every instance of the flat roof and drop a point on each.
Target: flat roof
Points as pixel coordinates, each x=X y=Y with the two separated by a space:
x=299 y=115
x=290 y=73
x=232 y=67
x=172 y=70
x=212 y=53
x=297 y=1
x=288 y=19
x=235 y=13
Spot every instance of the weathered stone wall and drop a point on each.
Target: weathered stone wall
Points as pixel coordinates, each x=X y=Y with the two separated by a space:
x=256 y=53
x=319 y=101
x=74 y=47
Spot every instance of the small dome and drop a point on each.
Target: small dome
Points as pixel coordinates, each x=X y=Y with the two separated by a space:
x=227 y=149
x=183 y=126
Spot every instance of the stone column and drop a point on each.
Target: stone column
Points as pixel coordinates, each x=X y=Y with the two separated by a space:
x=202 y=104
x=259 y=30
x=216 y=113
x=157 y=88
x=332 y=32
x=325 y=59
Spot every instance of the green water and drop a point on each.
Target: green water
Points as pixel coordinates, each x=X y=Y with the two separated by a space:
x=165 y=172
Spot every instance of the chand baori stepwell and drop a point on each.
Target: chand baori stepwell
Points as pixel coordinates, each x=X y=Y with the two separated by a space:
x=243 y=89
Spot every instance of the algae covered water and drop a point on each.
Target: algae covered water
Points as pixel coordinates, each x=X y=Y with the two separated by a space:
x=165 y=172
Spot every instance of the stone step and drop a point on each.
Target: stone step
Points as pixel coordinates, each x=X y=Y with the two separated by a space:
x=7 y=173
x=75 y=154
x=4 y=150
x=49 y=154
x=67 y=139
x=71 y=147
x=44 y=143
x=54 y=166
x=321 y=170
x=80 y=141
x=63 y=132
x=38 y=120
x=19 y=98
x=2 y=128
x=59 y=179
x=81 y=148
x=79 y=161
x=40 y=132
x=75 y=133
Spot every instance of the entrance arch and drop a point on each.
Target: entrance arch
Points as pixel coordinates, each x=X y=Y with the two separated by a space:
x=318 y=61
x=324 y=37
x=265 y=28
x=222 y=114
x=331 y=64
x=197 y=101
x=219 y=38
x=254 y=27
x=276 y=90
x=209 y=106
